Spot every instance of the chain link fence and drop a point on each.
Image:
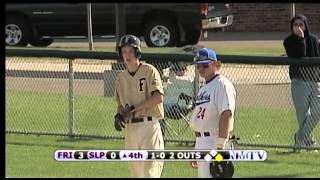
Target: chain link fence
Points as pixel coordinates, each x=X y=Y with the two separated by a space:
x=73 y=96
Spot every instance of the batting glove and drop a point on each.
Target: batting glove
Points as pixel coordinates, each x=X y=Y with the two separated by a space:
x=118 y=122
x=127 y=112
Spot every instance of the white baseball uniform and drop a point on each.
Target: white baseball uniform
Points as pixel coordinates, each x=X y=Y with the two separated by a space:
x=214 y=97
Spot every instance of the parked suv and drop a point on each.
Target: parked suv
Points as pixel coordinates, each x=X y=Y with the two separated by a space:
x=161 y=24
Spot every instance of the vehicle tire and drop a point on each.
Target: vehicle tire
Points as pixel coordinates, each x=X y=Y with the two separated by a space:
x=17 y=32
x=40 y=42
x=193 y=36
x=161 y=33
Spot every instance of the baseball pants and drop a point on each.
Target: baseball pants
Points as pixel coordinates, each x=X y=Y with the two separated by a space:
x=145 y=135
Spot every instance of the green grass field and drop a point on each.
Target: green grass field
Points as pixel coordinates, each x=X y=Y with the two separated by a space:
x=31 y=156
x=94 y=115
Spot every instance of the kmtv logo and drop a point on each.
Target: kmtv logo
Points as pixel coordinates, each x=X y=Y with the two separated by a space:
x=248 y=155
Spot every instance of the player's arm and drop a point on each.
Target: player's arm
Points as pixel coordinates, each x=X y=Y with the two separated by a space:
x=155 y=99
x=226 y=105
x=118 y=118
x=119 y=106
x=225 y=124
x=116 y=96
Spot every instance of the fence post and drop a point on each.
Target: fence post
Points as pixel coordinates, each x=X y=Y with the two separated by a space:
x=89 y=20
x=292 y=10
x=71 y=98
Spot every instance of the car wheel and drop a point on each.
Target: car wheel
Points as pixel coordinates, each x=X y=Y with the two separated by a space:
x=161 y=33
x=17 y=32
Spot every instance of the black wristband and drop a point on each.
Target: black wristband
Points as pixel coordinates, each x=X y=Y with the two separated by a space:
x=154 y=92
x=131 y=108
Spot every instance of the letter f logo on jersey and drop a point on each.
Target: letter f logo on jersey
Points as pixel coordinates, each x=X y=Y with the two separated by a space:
x=141 y=83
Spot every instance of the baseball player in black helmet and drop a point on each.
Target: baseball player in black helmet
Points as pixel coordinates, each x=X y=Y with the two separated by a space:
x=139 y=96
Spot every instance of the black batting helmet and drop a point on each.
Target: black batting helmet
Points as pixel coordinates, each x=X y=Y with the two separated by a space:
x=130 y=40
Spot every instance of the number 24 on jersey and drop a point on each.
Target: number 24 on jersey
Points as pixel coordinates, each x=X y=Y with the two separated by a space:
x=201 y=112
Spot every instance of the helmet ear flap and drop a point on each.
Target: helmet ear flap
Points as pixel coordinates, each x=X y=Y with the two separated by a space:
x=120 y=53
x=138 y=53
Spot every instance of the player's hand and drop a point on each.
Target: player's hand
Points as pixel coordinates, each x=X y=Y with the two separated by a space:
x=220 y=143
x=127 y=111
x=194 y=164
x=118 y=122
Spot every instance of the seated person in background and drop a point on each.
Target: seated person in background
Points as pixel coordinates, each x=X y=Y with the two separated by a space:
x=179 y=92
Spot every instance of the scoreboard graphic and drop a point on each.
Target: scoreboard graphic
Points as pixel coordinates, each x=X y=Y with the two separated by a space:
x=166 y=155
